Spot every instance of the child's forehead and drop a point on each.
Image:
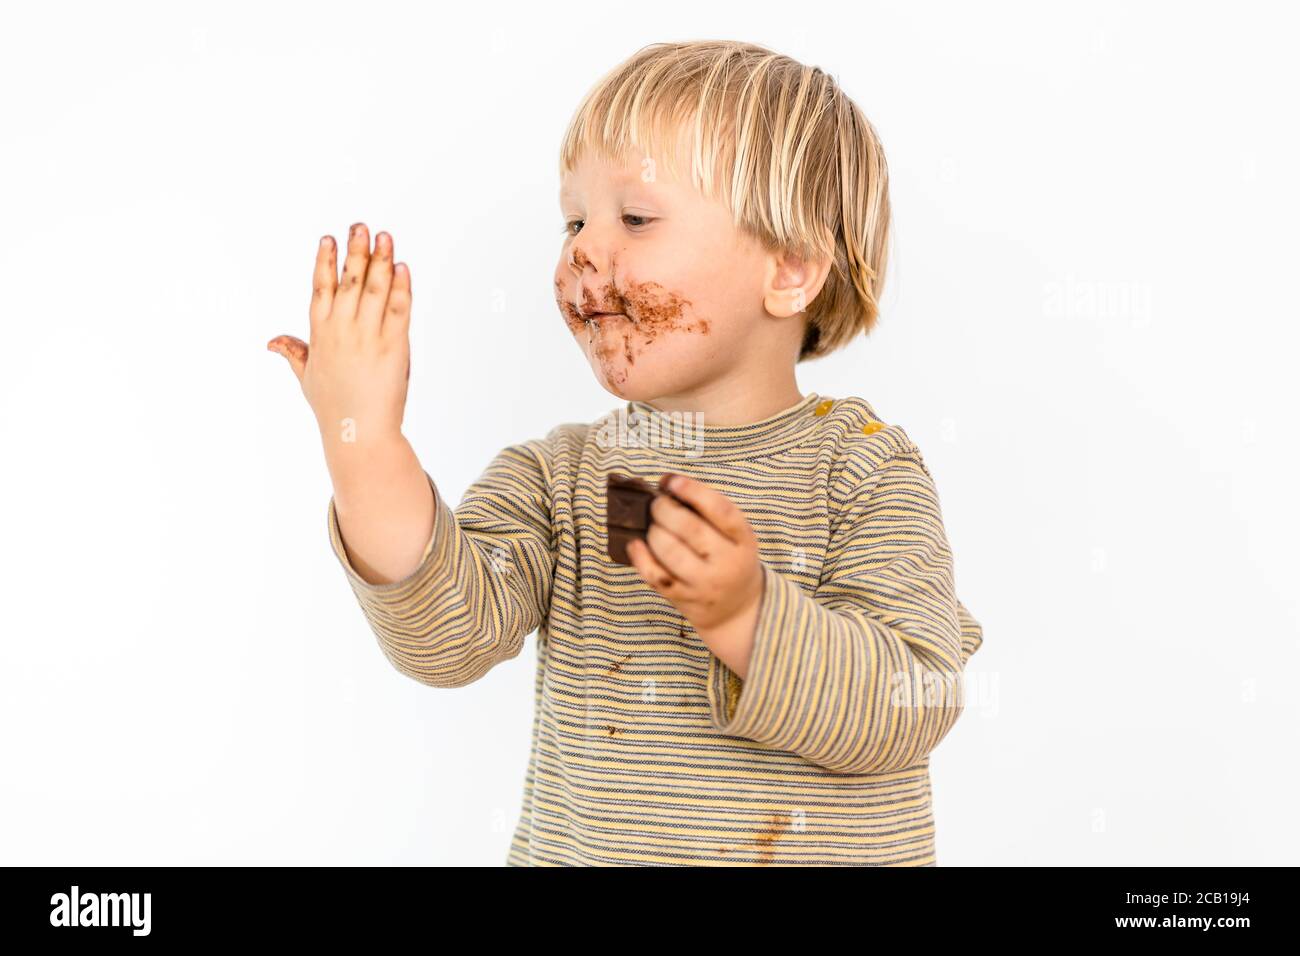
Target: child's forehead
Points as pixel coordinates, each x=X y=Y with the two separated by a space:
x=625 y=168
x=629 y=165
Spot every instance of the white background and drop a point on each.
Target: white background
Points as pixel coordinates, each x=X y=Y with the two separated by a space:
x=1089 y=329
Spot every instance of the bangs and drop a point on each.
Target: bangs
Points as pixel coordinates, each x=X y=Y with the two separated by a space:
x=652 y=109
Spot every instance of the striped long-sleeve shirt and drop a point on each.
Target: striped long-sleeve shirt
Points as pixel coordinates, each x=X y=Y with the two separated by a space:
x=646 y=748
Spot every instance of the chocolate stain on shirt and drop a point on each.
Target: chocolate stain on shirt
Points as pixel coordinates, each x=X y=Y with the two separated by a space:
x=777 y=823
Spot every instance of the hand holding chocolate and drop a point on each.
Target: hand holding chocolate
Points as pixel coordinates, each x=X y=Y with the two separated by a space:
x=627 y=512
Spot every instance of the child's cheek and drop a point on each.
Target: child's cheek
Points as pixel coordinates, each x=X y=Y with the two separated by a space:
x=656 y=310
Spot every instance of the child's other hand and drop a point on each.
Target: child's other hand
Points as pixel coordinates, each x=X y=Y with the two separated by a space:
x=354 y=372
x=706 y=564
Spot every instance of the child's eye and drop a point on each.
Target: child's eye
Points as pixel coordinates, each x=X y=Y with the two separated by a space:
x=568 y=226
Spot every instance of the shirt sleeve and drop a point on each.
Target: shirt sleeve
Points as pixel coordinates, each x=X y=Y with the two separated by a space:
x=484 y=582
x=864 y=675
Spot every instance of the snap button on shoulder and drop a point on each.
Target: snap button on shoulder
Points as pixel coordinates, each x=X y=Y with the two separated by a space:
x=870 y=428
x=824 y=407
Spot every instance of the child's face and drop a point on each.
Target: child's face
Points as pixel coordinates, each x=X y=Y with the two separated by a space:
x=688 y=287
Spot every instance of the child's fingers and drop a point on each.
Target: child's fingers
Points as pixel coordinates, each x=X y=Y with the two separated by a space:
x=704 y=539
x=324 y=281
x=654 y=573
x=720 y=511
x=397 y=314
x=374 y=294
x=674 y=555
x=294 y=350
x=348 y=293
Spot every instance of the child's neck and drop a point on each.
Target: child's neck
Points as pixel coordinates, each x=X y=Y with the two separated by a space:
x=729 y=403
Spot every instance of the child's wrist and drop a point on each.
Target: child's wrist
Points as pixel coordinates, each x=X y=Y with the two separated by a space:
x=358 y=468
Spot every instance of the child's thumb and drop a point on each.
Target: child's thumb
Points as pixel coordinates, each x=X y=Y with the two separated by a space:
x=294 y=350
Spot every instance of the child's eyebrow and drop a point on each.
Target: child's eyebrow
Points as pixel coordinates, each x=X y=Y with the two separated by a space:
x=637 y=195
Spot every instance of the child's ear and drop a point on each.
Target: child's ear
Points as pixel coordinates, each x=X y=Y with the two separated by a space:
x=792 y=283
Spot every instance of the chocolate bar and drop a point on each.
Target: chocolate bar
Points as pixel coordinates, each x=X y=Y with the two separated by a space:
x=627 y=512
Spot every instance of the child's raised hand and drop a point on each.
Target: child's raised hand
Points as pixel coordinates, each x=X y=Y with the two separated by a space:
x=706 y=563
x=355 y=370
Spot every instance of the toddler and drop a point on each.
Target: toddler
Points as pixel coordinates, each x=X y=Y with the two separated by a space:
x=765 y=682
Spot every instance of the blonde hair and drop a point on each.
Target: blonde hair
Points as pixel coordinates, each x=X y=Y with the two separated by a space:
x=792 y=157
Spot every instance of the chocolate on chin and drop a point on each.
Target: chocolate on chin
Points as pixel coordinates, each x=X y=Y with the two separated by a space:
x=627 y=512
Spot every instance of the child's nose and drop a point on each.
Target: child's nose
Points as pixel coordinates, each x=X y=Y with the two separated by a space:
x=579 y=258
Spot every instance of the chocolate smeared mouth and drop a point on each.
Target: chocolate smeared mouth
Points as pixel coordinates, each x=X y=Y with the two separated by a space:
x=644 y=311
